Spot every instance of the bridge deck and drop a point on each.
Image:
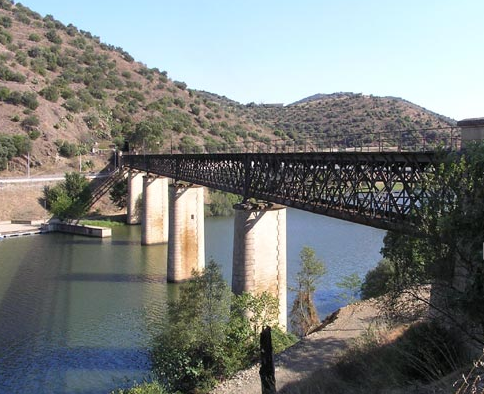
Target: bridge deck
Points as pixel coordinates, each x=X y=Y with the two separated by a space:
x=379 y=189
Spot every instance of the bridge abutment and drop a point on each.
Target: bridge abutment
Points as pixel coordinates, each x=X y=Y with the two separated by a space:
x=154 y=223
x=259 y=256
x=186 y=244
x=135 y=189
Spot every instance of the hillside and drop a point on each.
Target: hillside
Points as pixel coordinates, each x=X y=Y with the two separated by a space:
x=59 y=83
x=64 y=93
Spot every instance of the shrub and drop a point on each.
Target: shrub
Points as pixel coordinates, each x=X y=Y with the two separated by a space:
x=34 y=134
x=8 y=75
x=68 y=200
x=6 y=4
x=30 y=122
x=67 y=149
x=378 y=281
x=205 y=335
x=195 y=109
x=29 y=100
x=50 y=93
x=222 y=203
x=179 y=102
x=73 y=105
x=5 y=37
x=52 y=36
x=34 y=37
x=180 y=85
x=5 y=21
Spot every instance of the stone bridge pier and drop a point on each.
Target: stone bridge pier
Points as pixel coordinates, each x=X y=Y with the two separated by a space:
x=135 y=190
x=259 y=255
x=154 y=223
x=186 y=244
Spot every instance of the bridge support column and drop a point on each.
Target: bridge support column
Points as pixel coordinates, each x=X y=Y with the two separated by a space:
x=154 y=223
x=186 y=241
x=259 y=259
x=135 y=189
x=472 y=130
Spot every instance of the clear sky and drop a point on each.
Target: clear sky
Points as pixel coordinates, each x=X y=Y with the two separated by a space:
x=430 y=52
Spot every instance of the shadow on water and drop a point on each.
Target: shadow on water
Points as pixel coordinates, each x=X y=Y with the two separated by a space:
x=64 y=326
x=114 y=278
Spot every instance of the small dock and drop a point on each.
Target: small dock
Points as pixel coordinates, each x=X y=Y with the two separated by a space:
x=20 y=228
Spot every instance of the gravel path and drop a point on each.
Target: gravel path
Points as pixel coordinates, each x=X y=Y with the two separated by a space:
x=312 y=353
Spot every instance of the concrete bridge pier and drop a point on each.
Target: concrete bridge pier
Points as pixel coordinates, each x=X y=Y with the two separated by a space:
x=154 y=223
x=135 y=189
x=186 y=241
x=259 y=259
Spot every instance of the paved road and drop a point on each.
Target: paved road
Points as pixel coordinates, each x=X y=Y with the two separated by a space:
x=48 y=178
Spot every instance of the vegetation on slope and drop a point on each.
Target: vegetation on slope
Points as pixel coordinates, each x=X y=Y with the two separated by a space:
x=60 y=83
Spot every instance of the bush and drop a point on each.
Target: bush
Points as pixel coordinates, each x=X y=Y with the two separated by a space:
x=180 y=85
x=222 y=203
x=34 y=37
x=5 y=21
x=378 y=281
x=52 y=36
x=34 y=134
x=30 y=122
x=205 y=335
x=50 y=93
x=8 y=75
x=29 y=100
x=66 y=148
x=68 y=200
x=73 y=105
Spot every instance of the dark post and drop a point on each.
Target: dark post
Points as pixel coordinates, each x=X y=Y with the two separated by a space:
x=267 y=370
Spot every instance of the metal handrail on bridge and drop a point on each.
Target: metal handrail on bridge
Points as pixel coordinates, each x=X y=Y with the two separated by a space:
x=405 y=140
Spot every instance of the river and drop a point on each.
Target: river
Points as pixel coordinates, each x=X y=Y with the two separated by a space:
x=77 y=314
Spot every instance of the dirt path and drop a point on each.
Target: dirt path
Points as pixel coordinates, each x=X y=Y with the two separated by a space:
x=314 y=352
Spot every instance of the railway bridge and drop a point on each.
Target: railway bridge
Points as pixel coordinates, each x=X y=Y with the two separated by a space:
x=378 y=184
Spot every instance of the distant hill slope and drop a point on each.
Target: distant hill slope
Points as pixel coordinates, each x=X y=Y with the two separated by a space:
x=340 y=114
x=63 y=93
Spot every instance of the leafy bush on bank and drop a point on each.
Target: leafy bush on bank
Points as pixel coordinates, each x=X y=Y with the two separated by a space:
x=206 y=334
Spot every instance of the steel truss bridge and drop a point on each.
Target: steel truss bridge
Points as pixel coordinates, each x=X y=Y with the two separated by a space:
x=379 y=189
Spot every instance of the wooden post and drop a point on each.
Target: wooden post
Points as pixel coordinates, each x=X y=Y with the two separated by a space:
x=267 y=370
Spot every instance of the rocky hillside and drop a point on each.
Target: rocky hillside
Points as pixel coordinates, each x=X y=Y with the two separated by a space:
x=64 y=93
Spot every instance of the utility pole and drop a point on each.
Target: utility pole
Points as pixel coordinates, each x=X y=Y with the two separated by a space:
x=28 y=164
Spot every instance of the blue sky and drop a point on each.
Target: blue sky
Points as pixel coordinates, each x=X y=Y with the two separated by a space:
x=267 y=51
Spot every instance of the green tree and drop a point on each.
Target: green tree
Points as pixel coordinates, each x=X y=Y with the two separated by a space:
x=68 y=199
x=303 y=313
x=207 y=335
x=119 y=194
x=379 y=280
x=222 y=203
x=351 y=286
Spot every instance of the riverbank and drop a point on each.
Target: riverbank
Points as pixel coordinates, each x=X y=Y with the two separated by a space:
x=314 y=352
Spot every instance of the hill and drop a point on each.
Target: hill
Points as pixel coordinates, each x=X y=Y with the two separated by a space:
x=64 y=93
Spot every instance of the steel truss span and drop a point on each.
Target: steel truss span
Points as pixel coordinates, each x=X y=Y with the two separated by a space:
x=379 y=189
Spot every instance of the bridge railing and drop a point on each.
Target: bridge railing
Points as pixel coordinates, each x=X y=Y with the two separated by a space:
x=408 y=140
